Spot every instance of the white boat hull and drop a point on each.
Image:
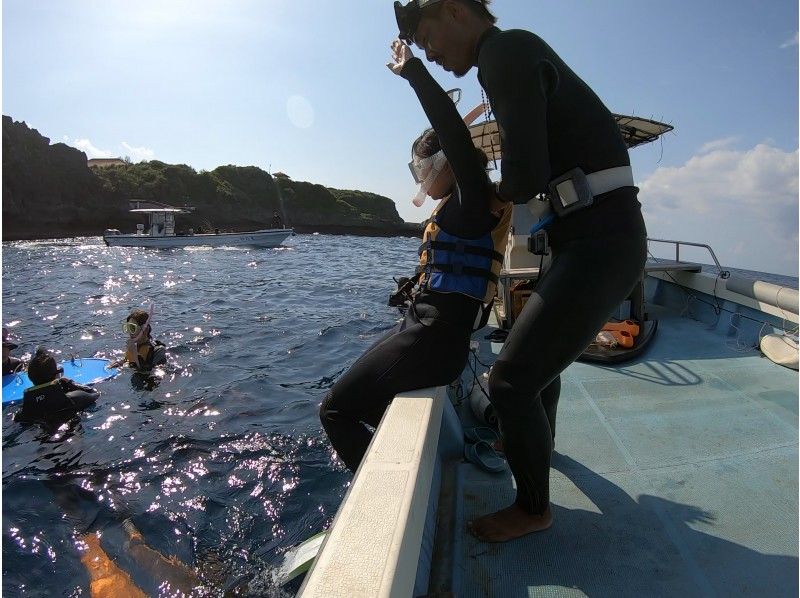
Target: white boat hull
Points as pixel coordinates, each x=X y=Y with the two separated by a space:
x=256 y=238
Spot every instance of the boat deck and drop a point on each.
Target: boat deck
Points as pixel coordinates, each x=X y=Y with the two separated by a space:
x=674 y=474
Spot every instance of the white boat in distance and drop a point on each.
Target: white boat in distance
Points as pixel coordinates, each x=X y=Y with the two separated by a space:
x=161 y=234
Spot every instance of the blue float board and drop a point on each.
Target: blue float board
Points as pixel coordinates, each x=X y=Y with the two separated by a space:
x=82 y=371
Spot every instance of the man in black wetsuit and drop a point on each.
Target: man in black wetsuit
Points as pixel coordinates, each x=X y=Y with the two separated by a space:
x=551 y=123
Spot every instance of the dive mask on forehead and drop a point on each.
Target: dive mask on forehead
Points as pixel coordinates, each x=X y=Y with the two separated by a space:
x=408 y=17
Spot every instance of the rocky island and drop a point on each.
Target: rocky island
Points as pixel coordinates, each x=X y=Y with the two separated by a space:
x=50 y=191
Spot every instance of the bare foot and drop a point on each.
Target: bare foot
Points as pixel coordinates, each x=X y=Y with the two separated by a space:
x=509 y=524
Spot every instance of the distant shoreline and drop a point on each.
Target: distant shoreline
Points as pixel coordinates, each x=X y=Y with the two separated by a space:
x=409 y=229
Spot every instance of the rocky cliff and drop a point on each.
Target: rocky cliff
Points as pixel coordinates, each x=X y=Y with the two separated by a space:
x=49 y=191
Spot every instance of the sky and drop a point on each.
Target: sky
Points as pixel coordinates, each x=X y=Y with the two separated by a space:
x=301 y=87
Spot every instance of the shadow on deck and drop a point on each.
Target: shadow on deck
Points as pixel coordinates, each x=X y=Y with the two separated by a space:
x=675 y=474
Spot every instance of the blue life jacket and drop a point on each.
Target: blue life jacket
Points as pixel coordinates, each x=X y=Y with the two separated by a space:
x=451 y=264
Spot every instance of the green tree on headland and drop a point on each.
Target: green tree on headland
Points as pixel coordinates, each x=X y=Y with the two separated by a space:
x=49 y=191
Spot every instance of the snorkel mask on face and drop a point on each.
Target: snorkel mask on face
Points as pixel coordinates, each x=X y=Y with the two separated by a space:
x=430 y=167
x=131 y=328
x=137 y=333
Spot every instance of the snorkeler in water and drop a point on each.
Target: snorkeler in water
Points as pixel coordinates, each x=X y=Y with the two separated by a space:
x=142 y=352
x=52 y=399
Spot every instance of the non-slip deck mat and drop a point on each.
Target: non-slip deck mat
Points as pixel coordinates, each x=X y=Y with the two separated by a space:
x=674 y=475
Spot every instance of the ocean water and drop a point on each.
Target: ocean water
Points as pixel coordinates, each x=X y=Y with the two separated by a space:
x=221 y=462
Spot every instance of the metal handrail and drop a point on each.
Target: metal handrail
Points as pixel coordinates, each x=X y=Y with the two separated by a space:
x=722 y=273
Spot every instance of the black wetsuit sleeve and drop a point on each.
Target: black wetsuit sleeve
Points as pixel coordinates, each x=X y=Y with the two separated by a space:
x=78 y=396
x=68 y=385
x=518 y=79
x=473 y=182
x=80 y=399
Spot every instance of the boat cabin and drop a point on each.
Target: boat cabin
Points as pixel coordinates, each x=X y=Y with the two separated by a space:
x=160 y=221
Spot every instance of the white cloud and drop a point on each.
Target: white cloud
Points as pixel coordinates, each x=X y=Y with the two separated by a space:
x=717 y=144
x=88 y=147
x=790 y=42
x=730 y=199
x=138 y=154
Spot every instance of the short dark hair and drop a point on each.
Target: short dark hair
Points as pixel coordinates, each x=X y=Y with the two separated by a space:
x=42 y=367
x=428 y=144
x=479 y=7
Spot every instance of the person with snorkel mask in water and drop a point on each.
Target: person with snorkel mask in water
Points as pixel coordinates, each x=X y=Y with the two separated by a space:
x=141 y=352
x=460 y=259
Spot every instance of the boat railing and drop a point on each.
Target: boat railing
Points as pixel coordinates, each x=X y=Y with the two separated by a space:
x=775 y=299
x=722 y=273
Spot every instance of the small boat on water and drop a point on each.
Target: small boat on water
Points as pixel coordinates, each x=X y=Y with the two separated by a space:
x=160 y=233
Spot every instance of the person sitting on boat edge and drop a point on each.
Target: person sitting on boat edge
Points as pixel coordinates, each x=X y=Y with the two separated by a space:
x=468 y=228
x=142 y=352
x=52 y=399
x=557 y=140
x=10 y=364
x=276 y=220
